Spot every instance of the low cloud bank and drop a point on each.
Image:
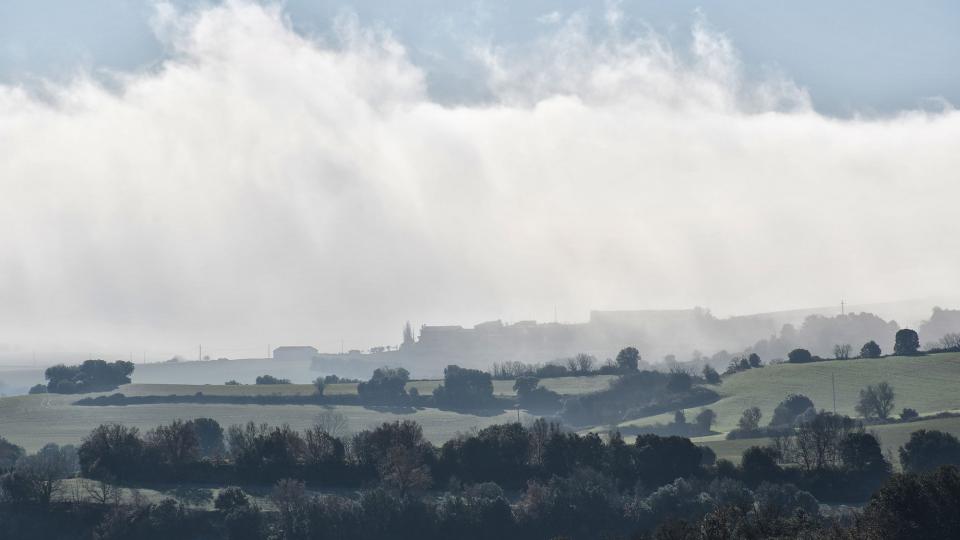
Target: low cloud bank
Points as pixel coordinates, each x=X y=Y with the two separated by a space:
x=262 y=187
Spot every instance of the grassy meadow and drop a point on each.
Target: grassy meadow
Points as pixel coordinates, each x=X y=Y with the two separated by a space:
x=34 y=420
x=928 y=384
x=891 y=436
x=562 y=385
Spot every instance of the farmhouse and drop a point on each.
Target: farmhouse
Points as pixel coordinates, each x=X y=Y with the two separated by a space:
x=295 y=352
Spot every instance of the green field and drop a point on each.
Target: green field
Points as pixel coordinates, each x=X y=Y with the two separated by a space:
x=233 y=390
x=561 y=385
x=891 y=436
x=926 y=383
x=34 y=420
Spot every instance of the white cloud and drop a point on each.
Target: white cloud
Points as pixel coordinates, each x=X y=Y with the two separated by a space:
x=552 y=17
x=261 y=187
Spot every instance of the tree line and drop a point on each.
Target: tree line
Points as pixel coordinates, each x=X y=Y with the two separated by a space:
x=577 y=486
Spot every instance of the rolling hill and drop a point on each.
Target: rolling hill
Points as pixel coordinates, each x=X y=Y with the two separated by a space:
x=34 y=420
x=926 y=383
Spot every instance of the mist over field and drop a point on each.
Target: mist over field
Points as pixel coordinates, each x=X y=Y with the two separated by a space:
x=266 y=186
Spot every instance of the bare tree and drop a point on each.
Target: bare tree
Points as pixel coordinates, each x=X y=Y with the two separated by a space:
x=950 y=341
x=816 y=443
x=321 y=447
x=750 y=420
x=102 y=492
x=842 y=352
x=75 y=491
x=43 y=472
x=177 y=442
x=403 y=471
x=540 y=433
x=876 y=401
x=585 y=363
x=333 y=423
x=290 y=498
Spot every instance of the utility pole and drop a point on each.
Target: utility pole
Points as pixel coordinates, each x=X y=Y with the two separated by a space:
x=842 y=307
x=199 y=353
x=833 y=381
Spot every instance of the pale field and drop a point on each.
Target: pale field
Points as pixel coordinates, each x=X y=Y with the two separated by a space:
x=561 y=385
x=32 y=421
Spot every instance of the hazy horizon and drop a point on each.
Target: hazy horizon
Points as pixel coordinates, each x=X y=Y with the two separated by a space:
x=250 y=180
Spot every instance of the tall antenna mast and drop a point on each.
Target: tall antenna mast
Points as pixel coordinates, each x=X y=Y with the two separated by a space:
x=842 y=307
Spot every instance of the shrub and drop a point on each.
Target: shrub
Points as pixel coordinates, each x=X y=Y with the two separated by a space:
x=759 y=464
x=270 y=379
x=799 y=356
x=789 y=409
x=386 y=386
x=231 y=498
x=705 y=419
x=679 y=381
x=9 y=454
x=532 y=396
x=90 y=376
x=209 y=436
x=111 y=451
x=750 y=420
x=710 y=375
x=464 y=388
x=927 y=450
x=906 y=342
x=914 y=506
x=870 y=349
x=628 y=359
x=909 y=414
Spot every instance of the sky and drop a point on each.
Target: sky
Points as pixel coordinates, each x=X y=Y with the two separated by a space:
x=240 y=174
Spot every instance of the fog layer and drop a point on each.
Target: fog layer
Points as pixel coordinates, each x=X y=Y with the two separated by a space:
x=264 y=187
